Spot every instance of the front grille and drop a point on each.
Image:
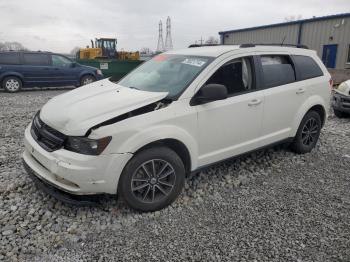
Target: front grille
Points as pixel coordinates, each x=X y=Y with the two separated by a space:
x=46 y=136
x=345 y=101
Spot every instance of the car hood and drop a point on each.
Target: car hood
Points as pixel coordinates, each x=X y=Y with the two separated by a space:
x=75 y=112
x=344 y=88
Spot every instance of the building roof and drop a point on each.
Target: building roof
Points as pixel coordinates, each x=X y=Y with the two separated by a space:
x=314 y=19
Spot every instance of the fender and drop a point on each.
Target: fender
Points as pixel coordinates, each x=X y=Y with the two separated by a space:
x=308 y=104
x=156 y=133
x=11 y=73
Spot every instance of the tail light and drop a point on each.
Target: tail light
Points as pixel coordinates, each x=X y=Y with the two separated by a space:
x=331 y=82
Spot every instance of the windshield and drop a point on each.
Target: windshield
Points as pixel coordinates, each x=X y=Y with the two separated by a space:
x=166 y=73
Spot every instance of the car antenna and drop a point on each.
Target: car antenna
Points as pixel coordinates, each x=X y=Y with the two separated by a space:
x=284 y=38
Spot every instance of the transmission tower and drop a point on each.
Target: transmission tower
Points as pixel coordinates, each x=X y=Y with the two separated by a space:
x=168 y=40
x=160 y=46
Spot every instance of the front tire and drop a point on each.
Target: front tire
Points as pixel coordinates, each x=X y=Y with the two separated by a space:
x=152 y=179
x=308 y=133
x=12 y=84
x=87 y=79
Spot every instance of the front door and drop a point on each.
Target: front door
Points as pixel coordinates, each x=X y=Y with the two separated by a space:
x=63 y=74
x=231 y=126
x=329 y=55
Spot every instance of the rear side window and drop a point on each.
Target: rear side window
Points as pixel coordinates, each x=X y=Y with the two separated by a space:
x=9 y=59
x=36 y=59
x=307 y=67
x=277 y=70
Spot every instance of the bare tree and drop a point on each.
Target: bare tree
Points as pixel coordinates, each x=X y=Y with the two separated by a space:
x=212 y=40
x=75 y=50
x=145 y=50
x=15 y=46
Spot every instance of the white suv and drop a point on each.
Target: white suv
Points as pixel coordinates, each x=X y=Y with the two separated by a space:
x=175 y=114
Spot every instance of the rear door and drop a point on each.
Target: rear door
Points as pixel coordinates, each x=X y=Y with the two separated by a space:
x=62 y=71
x=36 y=69
x=283 y=96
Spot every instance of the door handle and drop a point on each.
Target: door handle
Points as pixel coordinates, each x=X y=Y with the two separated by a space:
x=300 y=91
x=254 y=102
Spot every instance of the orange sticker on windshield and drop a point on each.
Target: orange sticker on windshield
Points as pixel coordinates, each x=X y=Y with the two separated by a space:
x=160 y=58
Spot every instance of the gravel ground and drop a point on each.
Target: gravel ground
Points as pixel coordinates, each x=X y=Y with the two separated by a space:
x=273 y=205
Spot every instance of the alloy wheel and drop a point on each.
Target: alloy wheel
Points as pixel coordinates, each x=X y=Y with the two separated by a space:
x=87 y=80
x=12 y=85
x=309 y=132
x=153 y=181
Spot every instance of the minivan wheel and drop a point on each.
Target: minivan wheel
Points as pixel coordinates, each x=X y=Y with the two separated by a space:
x=87 y=79
x=308 y=133
x=152 y=179
x=12 y=84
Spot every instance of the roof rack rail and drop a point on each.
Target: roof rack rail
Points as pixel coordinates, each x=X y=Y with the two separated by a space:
x=196 y=45
x=274 y=44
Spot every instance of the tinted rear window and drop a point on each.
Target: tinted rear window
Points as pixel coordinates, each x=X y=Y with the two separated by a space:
x=9 y=58
x=35 y=59
x=307 y=67
x=277 y=70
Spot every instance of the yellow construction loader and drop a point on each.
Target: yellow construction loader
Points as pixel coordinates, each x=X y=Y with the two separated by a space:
x=105 y=48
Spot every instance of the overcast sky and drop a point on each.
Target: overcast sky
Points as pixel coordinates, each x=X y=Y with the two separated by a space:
x=61 y=25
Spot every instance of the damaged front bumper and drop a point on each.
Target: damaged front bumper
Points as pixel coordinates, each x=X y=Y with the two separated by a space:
x=341 y=102
x=73 y=173
x=61 y=195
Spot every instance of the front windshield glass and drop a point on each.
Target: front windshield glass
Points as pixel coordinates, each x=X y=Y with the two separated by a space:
x=166 y=73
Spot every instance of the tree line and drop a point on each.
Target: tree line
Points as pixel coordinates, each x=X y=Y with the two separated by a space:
x=12 y=46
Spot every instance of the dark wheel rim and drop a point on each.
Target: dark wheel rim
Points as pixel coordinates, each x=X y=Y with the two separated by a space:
x=153 y=181
x=309 y=132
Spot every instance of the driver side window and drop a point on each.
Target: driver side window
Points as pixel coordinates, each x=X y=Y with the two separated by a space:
x=237 y=75
x=60 y=61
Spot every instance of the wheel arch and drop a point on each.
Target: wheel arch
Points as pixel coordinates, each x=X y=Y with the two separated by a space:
x=177 y=146
x=86 y=74
x=315 y=103
x=7 y=74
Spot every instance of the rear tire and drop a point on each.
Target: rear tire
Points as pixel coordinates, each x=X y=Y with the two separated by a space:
x=152 y=179
x=12 y=84
x=308 y=133
x=339 y=114
x=87 y=79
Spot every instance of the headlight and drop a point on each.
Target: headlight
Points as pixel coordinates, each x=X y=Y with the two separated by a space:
x=87 y=146
x=99 y=72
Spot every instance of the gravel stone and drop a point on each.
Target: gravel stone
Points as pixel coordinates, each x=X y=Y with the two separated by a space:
x=272 y=205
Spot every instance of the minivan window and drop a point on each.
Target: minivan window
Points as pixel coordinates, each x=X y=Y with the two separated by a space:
x=35 y=59
x=9 y=58
x=60 y=61
x=277 y=70
x=236 y=75
x=307 y=67
x=166 y=73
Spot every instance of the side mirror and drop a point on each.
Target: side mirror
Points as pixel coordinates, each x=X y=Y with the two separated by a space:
x=73 y=64
x=210 y=92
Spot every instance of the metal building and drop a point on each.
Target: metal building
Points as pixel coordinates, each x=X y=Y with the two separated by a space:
x=328 y=35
